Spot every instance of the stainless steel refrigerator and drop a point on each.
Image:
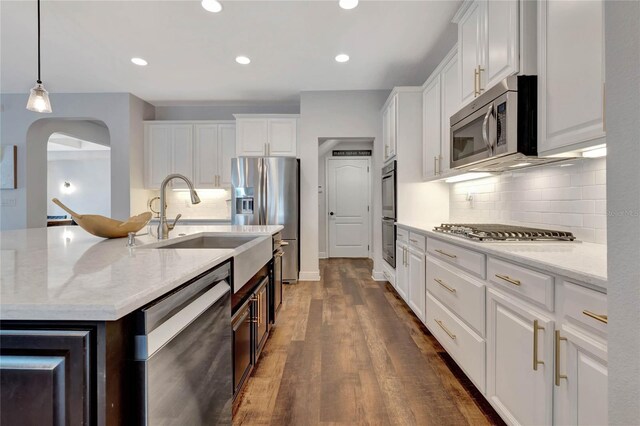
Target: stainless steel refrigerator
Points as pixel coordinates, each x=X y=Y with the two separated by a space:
x=266 y=191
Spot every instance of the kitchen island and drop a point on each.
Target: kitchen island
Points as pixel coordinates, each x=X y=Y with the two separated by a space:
x=68 y=313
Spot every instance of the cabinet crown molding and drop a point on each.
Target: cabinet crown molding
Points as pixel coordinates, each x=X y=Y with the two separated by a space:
x=400 y=89
x=266 y=116
x=463 y=9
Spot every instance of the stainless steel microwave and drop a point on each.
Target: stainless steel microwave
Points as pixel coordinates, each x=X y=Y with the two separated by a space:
x=498 y=130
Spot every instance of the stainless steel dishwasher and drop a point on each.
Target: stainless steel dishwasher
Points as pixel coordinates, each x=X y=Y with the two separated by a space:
x=183 y=353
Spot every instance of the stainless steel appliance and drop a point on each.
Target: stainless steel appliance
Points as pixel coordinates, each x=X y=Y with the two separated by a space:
x=498 y=130
x=497 y=232
x=275 y=290
x=389 y=213
x=183 y=353
x=266 y=191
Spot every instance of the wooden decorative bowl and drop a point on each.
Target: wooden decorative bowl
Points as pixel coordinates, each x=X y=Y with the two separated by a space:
x=106 y=227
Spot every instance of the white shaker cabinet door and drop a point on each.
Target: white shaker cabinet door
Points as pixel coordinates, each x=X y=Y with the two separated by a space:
x=402 y=271
x=470 y=45
x=182 y=153
x=571 y=76
x=431 y=131
x=501 y=53
x=282 y=137
x=417 y=283
x=450 y=94
x=580 y=391
x=519 y=361
x=252 y=137
x=157 y=154
x=227 y=151
x=206 y=148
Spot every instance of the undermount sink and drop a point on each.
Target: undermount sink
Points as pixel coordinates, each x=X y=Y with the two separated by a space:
x=210 y=242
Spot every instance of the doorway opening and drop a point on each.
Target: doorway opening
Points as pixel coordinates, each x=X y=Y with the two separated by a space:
x=79 y=175
x=345 y=193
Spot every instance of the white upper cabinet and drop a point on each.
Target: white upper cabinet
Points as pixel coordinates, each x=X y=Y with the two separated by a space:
x=389 y=128
x=571 y=77
x=259 y=135
x=501 y=34
x=489 y=37
x=431 y=124
x=201 y=151
x=168 y=149
x=227 y=144
x=440 y=100
x=157 y=154
x=470 y=50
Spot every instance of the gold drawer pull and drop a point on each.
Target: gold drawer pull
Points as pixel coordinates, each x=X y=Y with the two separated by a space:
x=508 y=279
x=439 y=281
x=453 y=336
x=413 y=241
x=453 y=256
x=536 y=328
x=558 y=375
x=602 y=318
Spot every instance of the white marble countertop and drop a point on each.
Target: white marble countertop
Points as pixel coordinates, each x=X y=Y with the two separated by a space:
x=64 y=273
x=586 y=263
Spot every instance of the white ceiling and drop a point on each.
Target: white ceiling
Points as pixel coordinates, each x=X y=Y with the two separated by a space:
x=87 y=47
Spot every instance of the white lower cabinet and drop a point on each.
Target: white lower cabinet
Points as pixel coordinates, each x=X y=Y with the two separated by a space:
x=402 y=271
x=519 y=361
x=417 y=285
x=460 y=341
x=580 y=391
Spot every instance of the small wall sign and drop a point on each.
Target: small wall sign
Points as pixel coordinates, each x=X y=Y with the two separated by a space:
x=352 y=153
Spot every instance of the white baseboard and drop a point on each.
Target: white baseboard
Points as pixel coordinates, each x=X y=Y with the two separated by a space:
x=309 y=276
x=322 y=255
x=378 y=276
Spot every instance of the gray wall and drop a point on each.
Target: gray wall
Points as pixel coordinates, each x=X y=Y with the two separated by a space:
x=89 y=173
x=222 y=111
x=331 y=114
x=622 y=26
x=30 y=131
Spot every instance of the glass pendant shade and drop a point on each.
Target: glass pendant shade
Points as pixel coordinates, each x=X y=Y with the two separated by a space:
x=39 y=99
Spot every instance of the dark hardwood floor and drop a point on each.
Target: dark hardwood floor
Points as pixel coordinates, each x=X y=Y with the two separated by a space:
x=348 y=351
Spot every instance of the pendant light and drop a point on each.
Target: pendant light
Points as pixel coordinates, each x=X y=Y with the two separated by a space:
x=39 y=97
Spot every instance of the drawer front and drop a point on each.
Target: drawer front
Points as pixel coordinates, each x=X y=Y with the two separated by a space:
x=532 y=285
x=587 y=307
x=463 y=295
x=402 y=235
x=468 y=260
x=464 y=346
x=418 y=241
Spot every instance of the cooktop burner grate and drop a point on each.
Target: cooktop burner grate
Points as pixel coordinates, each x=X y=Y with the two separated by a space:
x=498 y=232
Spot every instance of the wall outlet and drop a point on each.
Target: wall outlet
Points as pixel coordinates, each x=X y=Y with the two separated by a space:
x=469 y=196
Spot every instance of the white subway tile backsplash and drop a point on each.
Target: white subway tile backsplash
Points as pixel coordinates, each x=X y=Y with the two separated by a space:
x=569 y=196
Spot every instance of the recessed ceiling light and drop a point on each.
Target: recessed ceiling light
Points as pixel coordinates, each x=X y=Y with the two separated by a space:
x=139 y=61
x=348 y=4
x=212 y=6
x=243 y=60
x=342 y=58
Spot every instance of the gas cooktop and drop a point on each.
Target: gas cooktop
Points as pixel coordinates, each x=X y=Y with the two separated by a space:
x=497 y=232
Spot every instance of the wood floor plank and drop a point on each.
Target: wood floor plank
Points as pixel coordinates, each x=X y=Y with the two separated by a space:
x=348 y=351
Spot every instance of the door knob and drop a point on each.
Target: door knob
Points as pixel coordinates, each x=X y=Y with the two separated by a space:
x=330 y=213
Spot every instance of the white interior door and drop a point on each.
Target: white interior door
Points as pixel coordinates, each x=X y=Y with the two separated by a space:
x=348 y=207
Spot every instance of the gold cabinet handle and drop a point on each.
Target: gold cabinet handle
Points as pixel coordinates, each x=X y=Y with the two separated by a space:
x=480 y=70
x=439 y=281
x=558 y=375
x=413 y=241
x=602 y=318
x=508 y=279
x=255 y=300
x=475 y=83
x=536 y=361
x=450 y=334
x=453 y=256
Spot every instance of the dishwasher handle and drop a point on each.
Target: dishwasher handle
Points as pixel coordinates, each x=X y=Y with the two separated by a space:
x=147 y=345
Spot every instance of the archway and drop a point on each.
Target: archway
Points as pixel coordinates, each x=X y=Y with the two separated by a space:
x=38 y=135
